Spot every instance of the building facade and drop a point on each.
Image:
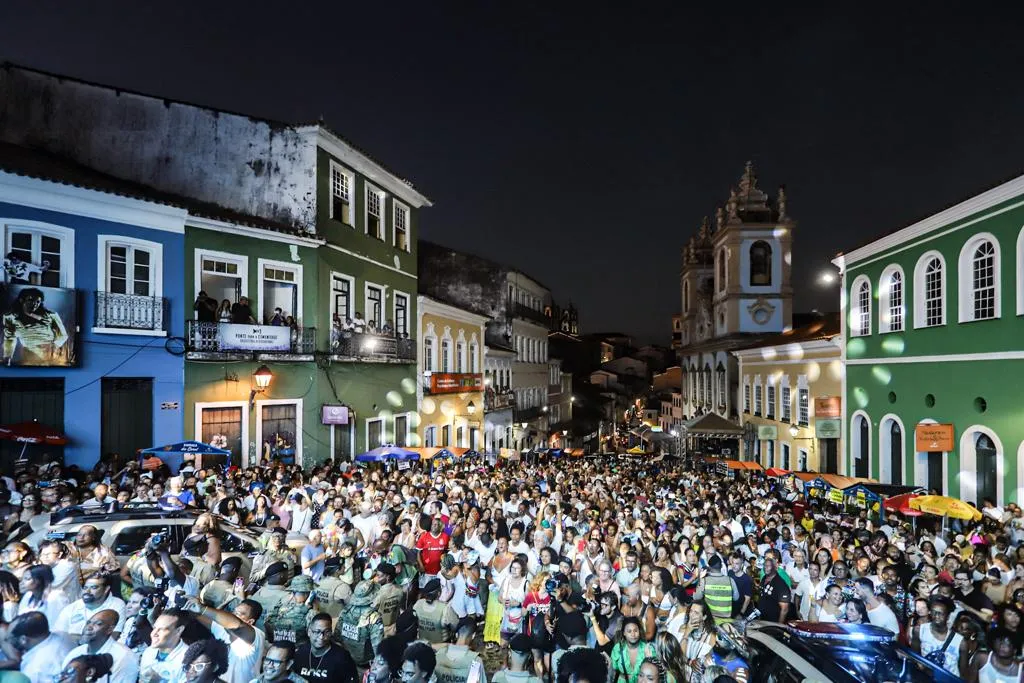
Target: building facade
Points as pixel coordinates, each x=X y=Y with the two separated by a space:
x=931 y=332
x=93 y=303
x=735 y=285
x=499 y=399
x=451 y=358
x=791 y=394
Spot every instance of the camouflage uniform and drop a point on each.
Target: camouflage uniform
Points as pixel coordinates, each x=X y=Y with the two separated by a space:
x=289 y=619
x=269 y=598
x=359 y=628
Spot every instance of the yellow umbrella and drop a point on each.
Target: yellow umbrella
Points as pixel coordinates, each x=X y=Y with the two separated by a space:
x=944 y=506
x=636 y=450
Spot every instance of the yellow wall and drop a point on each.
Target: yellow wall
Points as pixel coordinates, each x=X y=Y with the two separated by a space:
x=824 y=370
x=452 y=410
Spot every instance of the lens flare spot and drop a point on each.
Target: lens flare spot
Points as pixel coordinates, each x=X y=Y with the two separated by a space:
x=394 y=398
x=860 y=397
x=893 y=345
x=835 y=370
x=428 y=407
x=855 y=348
x=882 y=374
x=794 y=351
x=408 y=385
x=385 y=413
x=414 y=439
x=447 y=408
x=769 y=353
x=813 y=372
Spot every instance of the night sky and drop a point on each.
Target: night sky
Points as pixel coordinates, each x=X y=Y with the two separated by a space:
x=583 y=147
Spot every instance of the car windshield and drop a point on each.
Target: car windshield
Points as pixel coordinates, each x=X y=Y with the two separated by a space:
x=882 y=662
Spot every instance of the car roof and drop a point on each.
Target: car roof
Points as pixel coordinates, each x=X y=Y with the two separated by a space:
x=78 y=514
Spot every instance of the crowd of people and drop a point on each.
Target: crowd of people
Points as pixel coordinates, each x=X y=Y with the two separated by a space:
x=604 y=571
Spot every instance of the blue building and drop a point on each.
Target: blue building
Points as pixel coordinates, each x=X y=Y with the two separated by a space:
x=93 y=308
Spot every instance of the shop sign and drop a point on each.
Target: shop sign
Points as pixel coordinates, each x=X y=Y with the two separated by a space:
x=933 y=438
x=455 y=382
x=835 y=495
x=767 y=432
x=828 y=429
x=828 y=406
x=254 y=337
x=334 y=415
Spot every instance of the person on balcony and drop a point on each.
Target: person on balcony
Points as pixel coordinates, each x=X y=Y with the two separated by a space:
x=205 y=308
x=224 y=313
x=371 y=327
x=278 y=320
x=359 y=325
x=241 y=313
x=388 y=330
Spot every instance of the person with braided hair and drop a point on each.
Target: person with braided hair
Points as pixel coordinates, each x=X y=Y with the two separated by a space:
x=652 y=671
x=86 y=668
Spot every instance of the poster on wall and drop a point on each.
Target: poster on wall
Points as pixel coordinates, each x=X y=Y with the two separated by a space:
x=253 y=337
x=39 y=326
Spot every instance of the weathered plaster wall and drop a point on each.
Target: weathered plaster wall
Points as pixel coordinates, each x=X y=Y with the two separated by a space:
x=469 y=282
x=248 y=165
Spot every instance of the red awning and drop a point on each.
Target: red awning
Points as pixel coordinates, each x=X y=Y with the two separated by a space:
x=776 y=472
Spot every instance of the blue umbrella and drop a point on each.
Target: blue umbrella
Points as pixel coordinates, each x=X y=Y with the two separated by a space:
x=382 y=453
x=184 y=448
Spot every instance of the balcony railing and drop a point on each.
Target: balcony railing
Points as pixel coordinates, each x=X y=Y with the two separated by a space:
x=231 y=338
x=130 y=312
x=532 y=314
x=527 y=414
x=499 y=400
x=373 y=347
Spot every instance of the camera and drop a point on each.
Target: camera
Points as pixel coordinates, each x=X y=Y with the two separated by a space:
x=551 y=585
x=159 y=539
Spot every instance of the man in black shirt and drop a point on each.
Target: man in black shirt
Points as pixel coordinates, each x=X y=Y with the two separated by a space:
x=969 y=597
x=241 y=314
x=205 y=308
x=775 y=597
x=744 y=584
x=320 y=659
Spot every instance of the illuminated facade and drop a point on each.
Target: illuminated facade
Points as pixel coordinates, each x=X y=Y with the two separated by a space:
x=791 y=391
x=932 y=346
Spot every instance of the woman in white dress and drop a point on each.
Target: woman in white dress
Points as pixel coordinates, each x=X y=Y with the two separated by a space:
x=831 y=608
x=38 y=595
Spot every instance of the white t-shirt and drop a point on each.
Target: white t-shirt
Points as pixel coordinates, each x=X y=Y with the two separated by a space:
x=244 y=659
x=53 y=603
x=43 y=662
x=883 y=616
x=73 y=617
x=170 y=670
x=65 y=578
x=126 y=662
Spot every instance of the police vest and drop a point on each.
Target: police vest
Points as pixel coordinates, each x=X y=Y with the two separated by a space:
x=355 y=632
x=455 y=668
x=332 y=593
x=269 y=598
x=389 y=602
x=718 y=596
x=289 y=623
x=431 y=616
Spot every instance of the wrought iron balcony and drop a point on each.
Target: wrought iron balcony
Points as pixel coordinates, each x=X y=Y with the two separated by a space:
x=527 y=414
x=499 y=400
x=526 y=313
x=130 y=312
x=371 y=347
x=205 y=337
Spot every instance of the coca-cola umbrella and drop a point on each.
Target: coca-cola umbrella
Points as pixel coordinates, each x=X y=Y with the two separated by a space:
x=31 y=432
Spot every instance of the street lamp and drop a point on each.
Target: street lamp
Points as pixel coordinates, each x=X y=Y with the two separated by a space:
x=262 y=378
x=470 y=407
x=794 y=431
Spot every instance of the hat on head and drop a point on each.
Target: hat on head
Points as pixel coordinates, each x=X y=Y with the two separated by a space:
x=233 y=561
x=387 y=570
x=216 y=594
x=520 y=643
x=275 y=568
x=301 y=584
x=364 y=594
x=279 y=530
x=431 y=586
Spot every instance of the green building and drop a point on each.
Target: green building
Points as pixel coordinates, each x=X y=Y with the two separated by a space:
x=933 y=345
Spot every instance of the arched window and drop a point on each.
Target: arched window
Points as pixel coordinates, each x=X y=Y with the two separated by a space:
x=861 y=446
x=930 y=290
x=890 y=304
x=721 y=270
x=978 y=279
x=686 y=297
x=707 y=385
x=987 y=469
x=860 y=308
x=760 y=264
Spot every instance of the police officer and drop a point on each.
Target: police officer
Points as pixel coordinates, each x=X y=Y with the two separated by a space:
x=359 y=628
x=273 y=592
x=277 y=551
x=390 y=598
x=332 y=593
x=718 y=590
x=437 y=619
x=519 y=669
x=290 y=619
x=456 y=662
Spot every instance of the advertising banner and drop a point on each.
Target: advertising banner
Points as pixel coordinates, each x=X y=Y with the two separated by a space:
x=39 y=326
x=933 y=438
x=828 y=429
x=254 y=337
x=455 y=382
x=828 y=406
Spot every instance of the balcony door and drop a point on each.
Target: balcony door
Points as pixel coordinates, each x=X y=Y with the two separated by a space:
x=223 y=276
x=126 y=418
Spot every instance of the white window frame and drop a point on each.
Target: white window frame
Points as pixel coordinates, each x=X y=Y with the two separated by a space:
x=460 y=354
x=397 y=206
x=856 y=310
x=921 y=289
x=366 y=433
x=395 y=293
x=369 y=189
x=430 y=436
x=786 y=399
x=65 y=235
x=296 y=268
x=430 y=359
x=367 y=286
x=1020 y=272
x=802 y=454
x=240 y=260
x=297 y=402
x=156 y=264
x=335 y=166
x=446 y=358
x=758 y=396
x=353 y=428
x=746 y=394
x=885 y=305
x=408 y=431
x=801 y=388
x=771 y=399
x=965 y=277
x=197 y=424
x=786 y=455
x=351 y=294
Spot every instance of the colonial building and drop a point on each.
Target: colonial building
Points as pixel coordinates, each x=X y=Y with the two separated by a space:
x=312 y=238
x=932 y=345
x=100 y=261
x=452 y=401
x=499 y=399
x=735 y=285
x=791 y=395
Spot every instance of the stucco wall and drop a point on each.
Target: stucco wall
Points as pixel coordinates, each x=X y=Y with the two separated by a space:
x=235 y=161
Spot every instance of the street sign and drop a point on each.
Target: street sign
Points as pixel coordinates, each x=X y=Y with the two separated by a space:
x=933 y=438
x=828 y=406
x=828 y=429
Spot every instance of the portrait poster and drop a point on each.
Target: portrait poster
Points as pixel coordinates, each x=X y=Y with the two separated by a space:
x=39 y=326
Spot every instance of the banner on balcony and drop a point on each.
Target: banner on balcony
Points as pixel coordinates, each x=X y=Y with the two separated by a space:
x=39 y=326
x=254 y=337
x=455 y=382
